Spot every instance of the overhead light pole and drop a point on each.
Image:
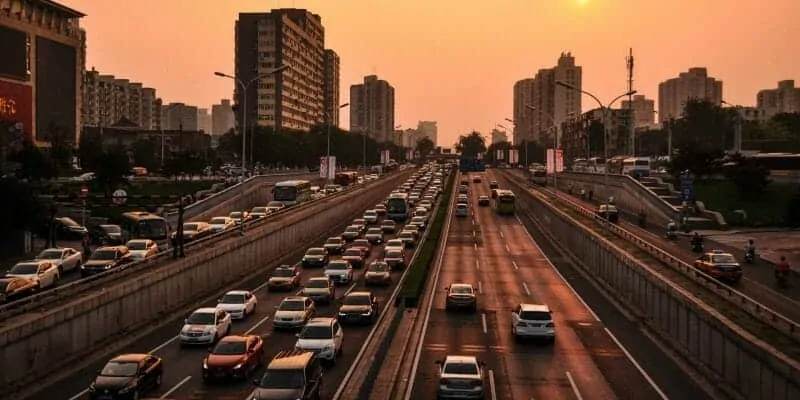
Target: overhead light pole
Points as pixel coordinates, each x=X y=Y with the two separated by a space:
x=604 y=108
x=243 y=86
x=328 y=153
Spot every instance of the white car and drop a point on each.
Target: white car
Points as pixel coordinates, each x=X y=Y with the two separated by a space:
x=371 y=217
x=205 y=326
x=44 y=273
x=64 y=258
x=533 y=321
x=396 y=243
x=142 y=248
x=219 y=224
x=339 y=271
x=460 y=377
x=238 y=303
x=323 y=336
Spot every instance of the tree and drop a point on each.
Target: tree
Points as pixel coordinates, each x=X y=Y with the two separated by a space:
x=91 y=146
x=112 y=169
x=425 y=146
x=491 y=152
x=145 y=154
x=20 y=207
x=471 y=145
x=61 y=146
x=33 y=164
x=597 y=138
x=750 y=179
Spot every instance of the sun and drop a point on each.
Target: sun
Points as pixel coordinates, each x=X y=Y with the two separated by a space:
x=583 y=2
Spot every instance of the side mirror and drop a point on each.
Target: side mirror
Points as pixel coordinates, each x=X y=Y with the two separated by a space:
x=210 y=350
x=438 y=362
x=481 y=363
x=186 y=321
x=256 y=382
x=297 y=334
x=276 y=307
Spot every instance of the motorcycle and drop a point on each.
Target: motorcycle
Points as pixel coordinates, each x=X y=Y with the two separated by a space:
x=672 y=235
x=697 y=247
x=749 y=256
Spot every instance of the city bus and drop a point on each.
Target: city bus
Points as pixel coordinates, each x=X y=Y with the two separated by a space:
x=346 y=178
x=504 y=202
x=292 y=192
x=597 y=165
x=636 y=167
x=145 y=225
x=397 y=207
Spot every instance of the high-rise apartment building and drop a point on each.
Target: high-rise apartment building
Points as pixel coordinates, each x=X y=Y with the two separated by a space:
x=291 y=99
x=222 y=118
x=331 y=88
x=695 y=84
x=429 y=130
x=643 y=109
x=372 y=108
x=179 y=117
x=107 y=100
x=540 y=104
x=499 y=136
x=203 y=120
x=784 y=99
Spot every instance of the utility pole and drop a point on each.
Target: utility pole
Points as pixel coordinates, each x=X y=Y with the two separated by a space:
x=631 y=121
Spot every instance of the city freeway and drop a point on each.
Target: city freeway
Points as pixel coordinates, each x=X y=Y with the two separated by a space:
x=182 y=375
x=498 y=256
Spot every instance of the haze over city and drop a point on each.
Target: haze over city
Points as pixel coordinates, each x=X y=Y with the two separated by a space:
x=456 y=62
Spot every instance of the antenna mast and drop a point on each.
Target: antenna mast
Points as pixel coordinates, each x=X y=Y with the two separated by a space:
x=631 y=117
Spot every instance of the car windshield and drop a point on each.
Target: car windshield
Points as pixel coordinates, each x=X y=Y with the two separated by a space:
x=315 y=252
x=50 y=255
x=723 y=259
x=292 y=305
x=535 y=316
x=337 y=265
x=282 y=272
x=316 y=332
x=359 y=300
x=378 y=267
x=418 y=219
x=394 y=254
x=405 y=235
x=387 y=223
x=231 y=348
x=259 y=210
x=358 y=221
x=103 y=255
x=353 y=229
x=461 y=290
x=275 y=204
x=283 y=379
x=111 y=228
x=235 y=215
x=374 y=231
x=191 y=227
x=461 y=369
x=218 y=221
x=201 y=318
x=361 y=243
x=371 y=213
x=353 y=252
x=126 y=369
x=333 y=241
x=137 y=245
x=232 y=298
x=317 y=283
x=24 y=269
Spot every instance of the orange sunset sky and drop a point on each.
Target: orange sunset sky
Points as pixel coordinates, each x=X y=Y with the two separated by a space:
x=455 y=61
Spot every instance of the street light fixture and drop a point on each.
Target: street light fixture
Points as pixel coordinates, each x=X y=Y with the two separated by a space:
x=328 y=153
x=244 y=87
x=604 y=109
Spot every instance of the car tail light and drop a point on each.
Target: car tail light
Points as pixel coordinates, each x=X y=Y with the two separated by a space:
x=551 y=325
x=444 y=382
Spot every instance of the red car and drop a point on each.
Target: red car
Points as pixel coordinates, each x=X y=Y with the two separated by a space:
x=234 y=357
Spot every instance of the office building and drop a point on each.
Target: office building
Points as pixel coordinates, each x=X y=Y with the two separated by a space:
x=695 y=84
x=203 y=120
x=41 y=68
x=429 y=130
x=108 y=100
x=331 y=88
x=179 y=117
x=574 y=134
x=540 y=104
x=292 y=99
x=644 y=110
x=784 y=99
x=222 y=118
x=499 y=136
x=372 y=108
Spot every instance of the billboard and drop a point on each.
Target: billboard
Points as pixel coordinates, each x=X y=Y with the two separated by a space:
x=327 y=167
x=56 y=89
x=555 y=160
x=15 y=48
x=16 y=104
x=513 y=156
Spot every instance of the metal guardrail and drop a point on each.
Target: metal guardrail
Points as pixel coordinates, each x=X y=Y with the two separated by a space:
x=42 y=299
x=738 y=299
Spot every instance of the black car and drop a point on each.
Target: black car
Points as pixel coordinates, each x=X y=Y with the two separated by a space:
x=106 y=235
x=106 y=258
x=335 y=245
x=494 y=185
x=358 y=308
x=65 y=228
x=315 y=257
x=351 y=233
x=127 y=376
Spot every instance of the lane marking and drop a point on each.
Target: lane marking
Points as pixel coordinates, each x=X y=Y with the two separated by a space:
x=574 y=386
x=501 y=234
x=636 y=364
x=162 y=345
x=492 y=391
x=483 y=323
x=508 y=249
x=474 y=235
x=480 y=287
x=176 y=387
x=299 y=292
x=350 y=289
x=475 y=245
x=514 y=264
x=79 y=395
x=473 y=221
x=256 y=325
x=525 y=287
x=477 y=264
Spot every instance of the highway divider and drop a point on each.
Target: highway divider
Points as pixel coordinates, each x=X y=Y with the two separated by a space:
x=414 y=285
x=53 y=339
x=733 y=359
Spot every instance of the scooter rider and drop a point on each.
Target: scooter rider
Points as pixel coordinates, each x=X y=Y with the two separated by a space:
x=750 y=249
x=697 y=242
x=782 y=270
x=672 y=229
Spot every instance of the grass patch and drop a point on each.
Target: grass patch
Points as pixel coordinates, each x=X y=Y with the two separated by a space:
x=768 y=209
x=414 y=284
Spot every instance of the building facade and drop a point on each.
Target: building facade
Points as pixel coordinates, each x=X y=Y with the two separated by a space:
x=41 y=70
x=179 y=117
x=170 y=141
x=372 y=108
x=222 y=117
x=108 y=99
x=523 y=115
x=429 y=130
x=695 y=84
x=575 y=139
x=499 y=136
x=291 y=99
x=784 y=99
x=203 y=120
x=332 y=85
x=644 y=110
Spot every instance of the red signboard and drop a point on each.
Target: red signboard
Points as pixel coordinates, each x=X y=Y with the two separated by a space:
x=16 y=104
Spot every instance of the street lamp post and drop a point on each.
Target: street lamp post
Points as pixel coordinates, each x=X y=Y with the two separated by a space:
x=737 y=135
x=604 y=108
x=328 y=153
x=243 y=86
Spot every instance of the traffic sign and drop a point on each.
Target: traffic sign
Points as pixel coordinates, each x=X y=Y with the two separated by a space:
x=84 y=191
x=120 y=197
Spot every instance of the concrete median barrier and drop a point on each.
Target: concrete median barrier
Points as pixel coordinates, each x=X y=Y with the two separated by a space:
x=50 y=340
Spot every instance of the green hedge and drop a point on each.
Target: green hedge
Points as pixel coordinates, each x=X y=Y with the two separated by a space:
x=414 y=284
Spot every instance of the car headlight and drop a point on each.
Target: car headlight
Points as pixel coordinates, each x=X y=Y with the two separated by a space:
x=367 y=314
x=341 y=314
x=237 y=366
x=205 y=364
x=127 y=389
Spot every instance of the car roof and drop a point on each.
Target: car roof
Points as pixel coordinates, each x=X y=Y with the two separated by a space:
x=320 y=321
x=360 y=293
x=317 y=278
x=205 y=310
x=295 y=298
x=457 y=359
x=534 y=307
x=235 y=338
x=130 y=357
x=237 y=292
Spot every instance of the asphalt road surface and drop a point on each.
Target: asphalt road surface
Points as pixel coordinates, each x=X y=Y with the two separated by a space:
x=182 y=375
x=497 y=255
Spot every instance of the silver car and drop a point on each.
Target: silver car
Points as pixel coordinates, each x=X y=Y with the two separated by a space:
x=460 y=377
x=462 y=210
x=293 y=312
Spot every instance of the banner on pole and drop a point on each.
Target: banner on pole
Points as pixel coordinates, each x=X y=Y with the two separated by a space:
x=513 y=156
x=331 y=167
x=323 y=167
x=499 y=154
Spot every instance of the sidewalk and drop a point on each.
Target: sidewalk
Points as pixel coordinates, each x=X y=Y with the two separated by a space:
x=771 y=244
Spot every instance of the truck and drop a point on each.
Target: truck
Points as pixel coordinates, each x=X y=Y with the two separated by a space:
x=469 y=164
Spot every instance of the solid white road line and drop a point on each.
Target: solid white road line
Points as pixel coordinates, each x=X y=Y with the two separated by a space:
x=475 y=245
x=256 y=325
x=79 y=395
x=477 y=264
x=176 y=387
x=492 y=391
x=638 y=367
x=508 y=249
x=516 y=267
x=480 y=287
x=483 y=323
x=162 y=345
x=501 y=234
x=574 y=386
x=525 y=287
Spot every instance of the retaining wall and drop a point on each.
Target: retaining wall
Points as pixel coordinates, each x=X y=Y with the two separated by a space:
x=727 y=355
x=50 y=340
